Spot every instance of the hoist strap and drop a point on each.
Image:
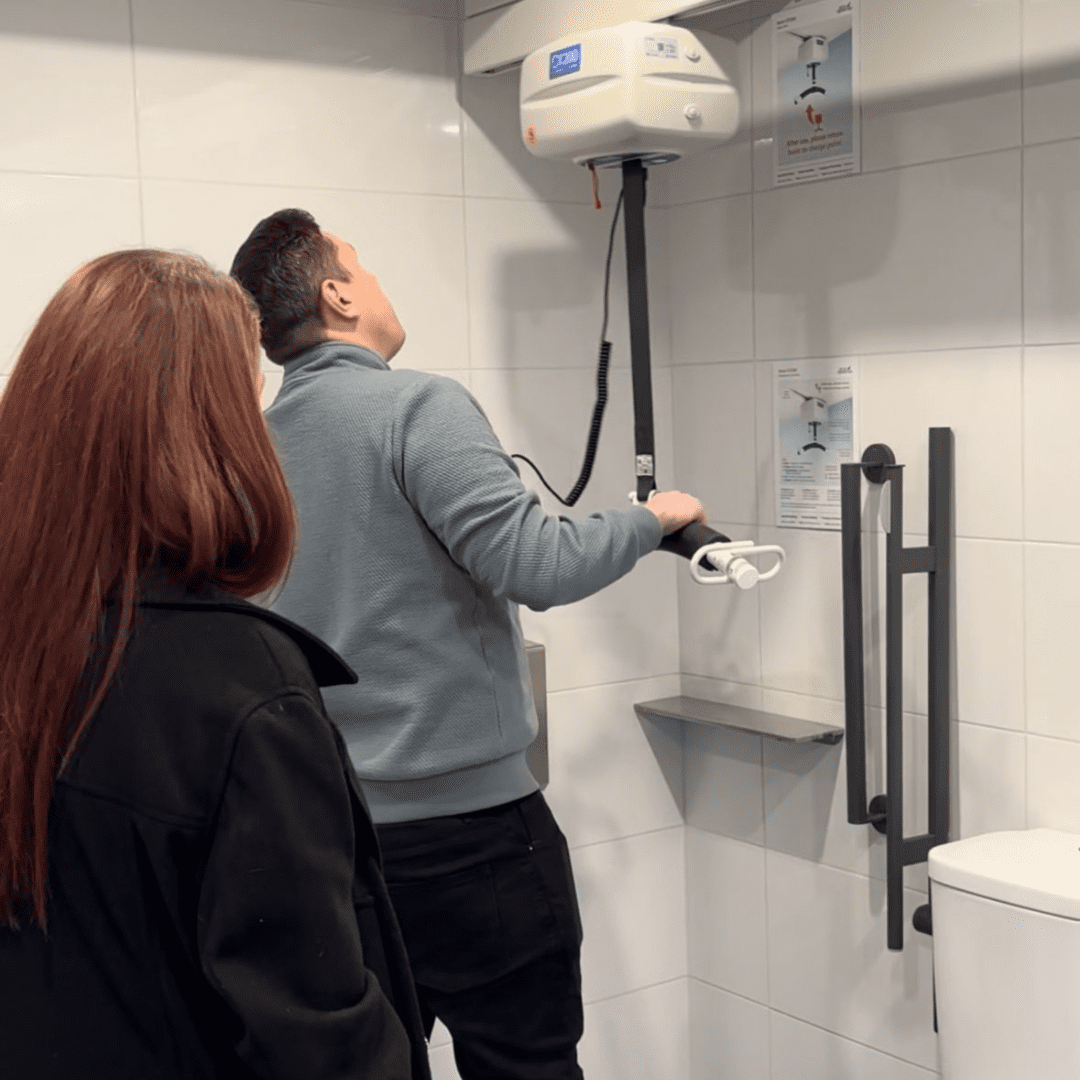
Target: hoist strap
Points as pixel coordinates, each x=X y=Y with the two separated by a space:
x=688 y=540
x=637 y=294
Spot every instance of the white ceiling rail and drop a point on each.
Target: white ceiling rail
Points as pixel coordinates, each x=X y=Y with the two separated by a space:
x=500 y=39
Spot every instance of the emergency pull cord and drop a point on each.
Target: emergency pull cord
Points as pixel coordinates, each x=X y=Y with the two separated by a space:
x=601 y=386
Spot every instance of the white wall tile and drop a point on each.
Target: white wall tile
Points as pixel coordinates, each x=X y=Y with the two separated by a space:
x=627 y=631
x=1052 y=768
x=726 y=913
x=536 y=285
x=298 y=94
x=1051 y=56
x=67 y=87
x=712 y=281
x=441 y=1059
x=977 y=393
x=710 y=689
x=988 y=679
x=723 y=778
x=632 y=895
x=729 y=1035
x=806 y=790
x=1051 y=383
x=801 y=612
x=801 y=1051
x=940 y=79
x=51 y=225
x=762 y=105
x=273 y=375
x=638 y=1036
x=1052 y=638
x=714 y=438
x=1052 y=243
x=415 y=245
x=991 y=766
x=905 y=260
x=829 y=964
x=598 y=749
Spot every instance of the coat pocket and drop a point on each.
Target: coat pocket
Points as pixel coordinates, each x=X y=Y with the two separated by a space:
x=371 y=937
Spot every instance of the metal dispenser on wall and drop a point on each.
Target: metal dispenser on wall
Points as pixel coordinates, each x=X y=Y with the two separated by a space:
x=886 y=812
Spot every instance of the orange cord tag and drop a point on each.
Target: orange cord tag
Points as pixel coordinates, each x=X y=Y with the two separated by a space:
x=595 y=187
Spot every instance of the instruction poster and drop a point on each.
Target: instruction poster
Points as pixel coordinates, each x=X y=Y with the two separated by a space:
x=816 y=91
x=815 y=433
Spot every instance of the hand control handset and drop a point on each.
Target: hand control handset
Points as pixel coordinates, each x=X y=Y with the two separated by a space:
x=716 y=560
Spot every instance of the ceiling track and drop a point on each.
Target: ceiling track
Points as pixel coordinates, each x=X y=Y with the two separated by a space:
x=498 y=40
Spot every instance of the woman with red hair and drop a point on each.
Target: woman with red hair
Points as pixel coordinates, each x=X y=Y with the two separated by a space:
x=190 y=885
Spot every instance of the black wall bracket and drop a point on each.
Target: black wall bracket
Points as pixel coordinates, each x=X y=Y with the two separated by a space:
x=886 y=812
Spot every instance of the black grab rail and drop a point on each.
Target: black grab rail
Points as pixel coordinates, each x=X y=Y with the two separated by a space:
x=886 y=812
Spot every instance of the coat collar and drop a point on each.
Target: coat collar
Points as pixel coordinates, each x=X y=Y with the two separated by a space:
x=157 y=589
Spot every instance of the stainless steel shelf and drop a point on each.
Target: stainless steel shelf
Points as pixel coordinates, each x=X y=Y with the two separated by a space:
x=754 y=721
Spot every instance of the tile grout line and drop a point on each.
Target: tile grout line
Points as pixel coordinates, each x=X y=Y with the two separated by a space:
x=1023 y=418
x=464 y=213
x=758 y=527
x=135 y=110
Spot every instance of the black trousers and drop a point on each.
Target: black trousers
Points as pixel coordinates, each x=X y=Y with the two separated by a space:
x=490 y=918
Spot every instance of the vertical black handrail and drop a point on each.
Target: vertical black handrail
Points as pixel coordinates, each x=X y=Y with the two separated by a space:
x=894 y=707
x=854 y=690
x=886 y=812
x=939 y=659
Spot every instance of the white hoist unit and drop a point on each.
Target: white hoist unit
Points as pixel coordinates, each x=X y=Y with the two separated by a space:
x=631 y=96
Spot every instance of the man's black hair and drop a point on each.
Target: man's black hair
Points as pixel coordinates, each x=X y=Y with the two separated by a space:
x=283 y=264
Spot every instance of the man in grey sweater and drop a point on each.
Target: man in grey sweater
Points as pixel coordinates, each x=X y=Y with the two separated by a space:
x=418 y=541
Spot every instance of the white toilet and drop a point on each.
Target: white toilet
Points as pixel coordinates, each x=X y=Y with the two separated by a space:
x=1006 y=931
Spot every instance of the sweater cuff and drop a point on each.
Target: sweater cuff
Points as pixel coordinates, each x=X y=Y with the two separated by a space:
x=648 y=526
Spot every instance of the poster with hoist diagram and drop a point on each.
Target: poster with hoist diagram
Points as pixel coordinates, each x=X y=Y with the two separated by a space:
x=815 y=424
x=816 y=91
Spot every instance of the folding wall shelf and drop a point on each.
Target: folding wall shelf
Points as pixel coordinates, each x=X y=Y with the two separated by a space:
x=754 y=721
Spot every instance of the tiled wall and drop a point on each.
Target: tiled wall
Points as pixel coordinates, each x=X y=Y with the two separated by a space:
x=749 y=942
x=951 y=269
x=181 y=124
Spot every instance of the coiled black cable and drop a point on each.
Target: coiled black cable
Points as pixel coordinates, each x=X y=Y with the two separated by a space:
x=601 y=389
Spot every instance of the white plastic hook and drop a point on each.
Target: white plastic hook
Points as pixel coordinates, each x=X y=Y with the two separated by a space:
x=731 y=567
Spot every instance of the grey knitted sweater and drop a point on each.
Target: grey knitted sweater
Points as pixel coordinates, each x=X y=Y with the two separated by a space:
x=418 y=541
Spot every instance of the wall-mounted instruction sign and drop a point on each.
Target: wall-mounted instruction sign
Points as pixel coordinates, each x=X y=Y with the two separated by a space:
x=816 y=91
x=814 y=403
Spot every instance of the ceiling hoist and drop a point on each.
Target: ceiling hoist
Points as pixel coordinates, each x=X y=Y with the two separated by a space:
x=632 y=96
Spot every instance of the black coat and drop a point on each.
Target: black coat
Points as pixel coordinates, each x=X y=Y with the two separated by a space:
x=217 y=906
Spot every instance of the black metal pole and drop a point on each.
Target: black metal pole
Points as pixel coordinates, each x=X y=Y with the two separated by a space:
x=854 y=708
x=940 y=653
x=894 y=707
x=637 y=295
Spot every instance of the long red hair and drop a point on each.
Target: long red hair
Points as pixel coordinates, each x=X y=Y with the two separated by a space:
x=130 y=428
